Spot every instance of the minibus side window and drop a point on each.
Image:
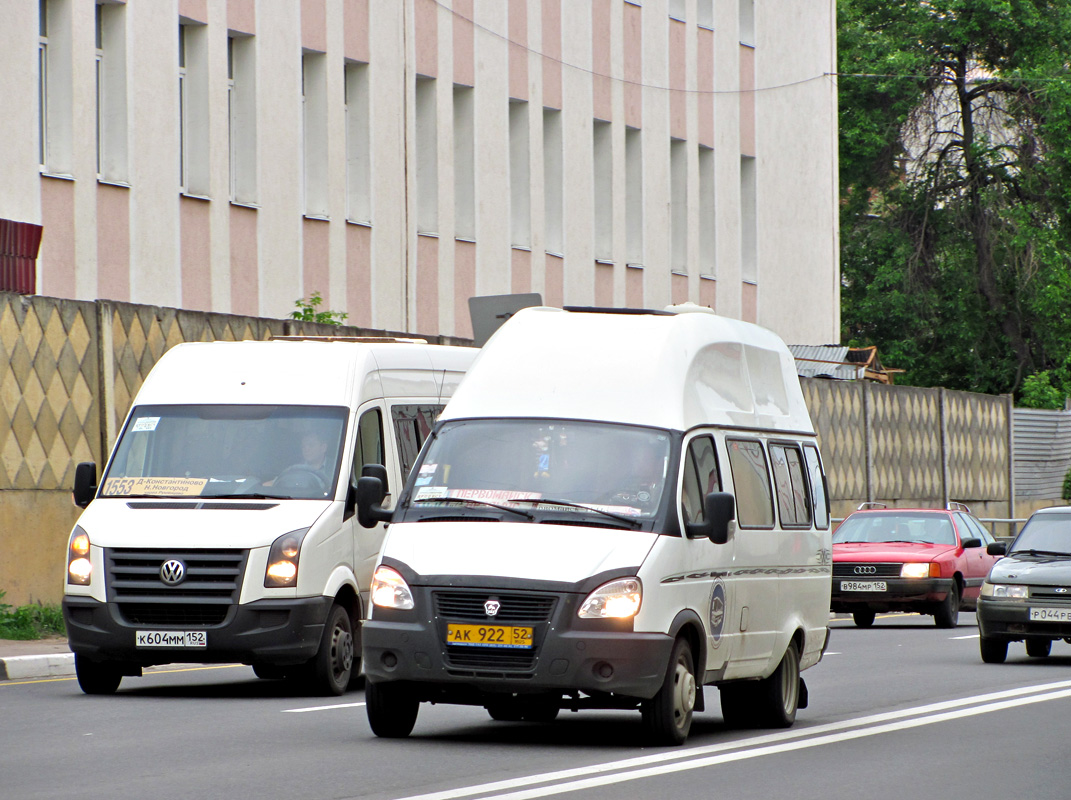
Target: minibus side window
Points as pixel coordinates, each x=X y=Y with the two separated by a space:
x=412 y=424
x=700 y=478
x=369 y=446
x=791 y=492
x=751 y=482
x=818 y=486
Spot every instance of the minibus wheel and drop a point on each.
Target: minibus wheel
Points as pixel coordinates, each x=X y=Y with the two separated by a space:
x=391 y=708
x=779 y=695
x=96 y=677
x=333 y=664
x=667 y=717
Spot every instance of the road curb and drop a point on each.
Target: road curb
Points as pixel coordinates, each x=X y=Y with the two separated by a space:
x=57 y=665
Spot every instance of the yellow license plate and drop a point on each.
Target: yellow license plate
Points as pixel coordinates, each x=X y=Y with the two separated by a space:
x=489 y=635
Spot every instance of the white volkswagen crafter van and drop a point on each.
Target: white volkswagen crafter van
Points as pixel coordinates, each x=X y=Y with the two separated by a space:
x=223 y=529
x=567 y=538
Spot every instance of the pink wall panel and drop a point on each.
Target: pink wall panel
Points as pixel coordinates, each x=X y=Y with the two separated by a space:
x=554 y=293
x=604 y=285
x=749 y=302
x=315 y=252
x=113 y=242
x=678 y=97
x=633 y=36
x=426 y=22
x=242 y=15
x=355 y=30
x=245 y=291
x=427 y=285
x=601 y=87
x=518 y=49
x=195 y=258
x=679 y=288
x=633 y=288
x=314 y=25
x=705 y=84
x=552 y=53
x=196 y=10
x=464 y=286
x=359 y=275
x=464 y=57
x=521 y=271
x=747 y=100
x=708 y=293
x=55 y=262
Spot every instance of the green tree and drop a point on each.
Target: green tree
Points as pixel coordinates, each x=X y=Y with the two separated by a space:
x=955 y=164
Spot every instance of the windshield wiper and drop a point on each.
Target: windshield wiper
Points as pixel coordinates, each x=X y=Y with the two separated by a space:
x=248 y=496
x=635 y=523
x=520 y=512
x=1042 y=553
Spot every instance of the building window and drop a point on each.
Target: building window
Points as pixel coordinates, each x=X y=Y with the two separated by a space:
x=358 y=157
x=704 y=13
x=707 y=226
x=602 y=145
x=314 y=132
x=242 y=117
x=520 y=187
x=749 y=237
x=676 y=9
x=427 y=156
x=111 y=92
x=464 y=164
x=747 y=22
x=193 y=109
x=634 y=195
x=183 y=106
x=42 y=82
x=55 y=89
x=552 y=181
x=678 y=204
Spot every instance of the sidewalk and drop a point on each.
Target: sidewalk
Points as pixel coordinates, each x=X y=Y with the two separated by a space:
x=37 y=658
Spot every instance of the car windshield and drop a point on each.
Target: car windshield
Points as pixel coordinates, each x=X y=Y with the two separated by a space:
x=228 y=450
x=1046 y=534
x=883 y=526
x=528 y=464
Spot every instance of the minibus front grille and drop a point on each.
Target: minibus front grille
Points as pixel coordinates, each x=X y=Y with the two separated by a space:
x=514 y=609
x=485 y=662
x=211 y=584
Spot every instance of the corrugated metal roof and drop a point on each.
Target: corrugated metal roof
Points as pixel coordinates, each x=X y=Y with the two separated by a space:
x=1042 y=451
x=825 y=361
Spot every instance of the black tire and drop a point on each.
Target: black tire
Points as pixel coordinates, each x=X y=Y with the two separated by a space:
x=994 y=651
x=778 y=697
x=1038 y=648
x=392 y=709
x=667 y=717
x=518 y=710
x=947 y=613
x=738 y=703
x=270 y=672
x=96 y=677
x=864 y=617
x=334 y=662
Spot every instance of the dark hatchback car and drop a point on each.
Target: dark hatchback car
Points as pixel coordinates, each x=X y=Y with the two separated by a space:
x=923 y=560
x=1027 y=596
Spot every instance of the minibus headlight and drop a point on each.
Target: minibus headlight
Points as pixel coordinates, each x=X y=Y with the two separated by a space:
x=618 y=599
x=1005 y=591
x=283 y=558
x=925 y=569
x=389 y=590
x=79 y=567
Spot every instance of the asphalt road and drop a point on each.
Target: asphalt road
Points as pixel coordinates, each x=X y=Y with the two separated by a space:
x=900 y=710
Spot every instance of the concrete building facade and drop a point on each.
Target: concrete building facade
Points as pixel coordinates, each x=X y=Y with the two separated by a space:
x=401 y=156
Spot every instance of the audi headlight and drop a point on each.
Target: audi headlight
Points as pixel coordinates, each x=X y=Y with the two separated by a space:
x=618 y=599
x=389 y=590
x=1005 y=591
x=283 y=558
x=921 y=570
x=79 y=567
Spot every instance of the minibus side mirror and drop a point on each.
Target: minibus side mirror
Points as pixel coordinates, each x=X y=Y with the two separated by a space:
x=370 y=494
x=997 y=548
x=368 y=470
x=85 y=483
x=720 y=509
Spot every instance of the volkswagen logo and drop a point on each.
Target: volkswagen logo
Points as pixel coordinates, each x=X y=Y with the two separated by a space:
x=172 y=572
x=491 y=607
x=866 y=570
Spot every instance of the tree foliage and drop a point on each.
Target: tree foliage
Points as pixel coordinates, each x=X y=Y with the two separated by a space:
x=955 y=164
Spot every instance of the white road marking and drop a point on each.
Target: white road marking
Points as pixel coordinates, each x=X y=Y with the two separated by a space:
x=971 y=636
x=321 y=708
x=754 y=747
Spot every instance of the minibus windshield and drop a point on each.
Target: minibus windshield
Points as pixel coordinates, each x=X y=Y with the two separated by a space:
x=590 y=467
x=289 y=452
